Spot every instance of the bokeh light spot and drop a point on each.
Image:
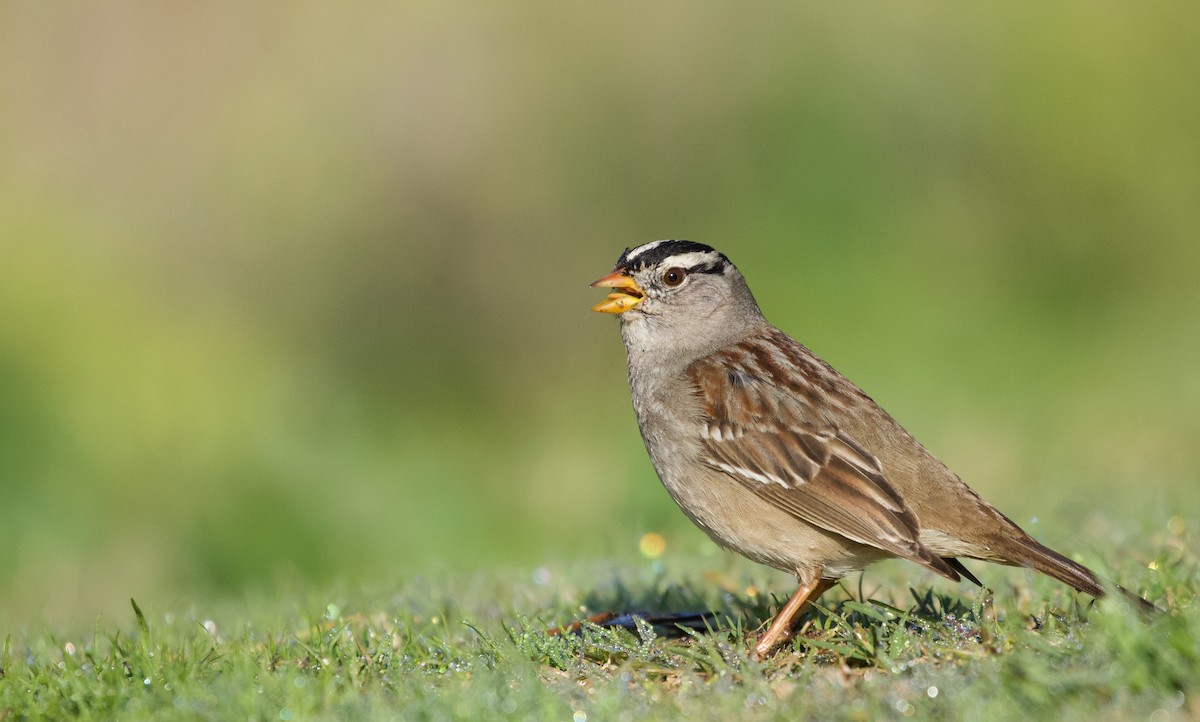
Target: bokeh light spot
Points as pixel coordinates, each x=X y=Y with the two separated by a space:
x=652 y=545
x=1177 y=525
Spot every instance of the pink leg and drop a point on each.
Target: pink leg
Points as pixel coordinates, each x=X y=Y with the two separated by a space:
x=783 y=625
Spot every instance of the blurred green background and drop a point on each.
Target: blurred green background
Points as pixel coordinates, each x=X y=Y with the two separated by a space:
x=302 y=289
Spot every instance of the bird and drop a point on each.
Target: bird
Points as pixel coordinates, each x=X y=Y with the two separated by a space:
x=776 y=455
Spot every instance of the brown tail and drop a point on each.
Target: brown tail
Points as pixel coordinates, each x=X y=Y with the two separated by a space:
x=1052 y=564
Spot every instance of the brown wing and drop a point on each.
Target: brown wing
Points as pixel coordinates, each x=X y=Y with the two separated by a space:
x=771 y=441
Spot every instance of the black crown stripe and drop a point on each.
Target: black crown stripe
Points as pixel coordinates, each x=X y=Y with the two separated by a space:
x=665 y=250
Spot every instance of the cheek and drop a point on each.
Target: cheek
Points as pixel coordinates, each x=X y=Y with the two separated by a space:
x=704 y=297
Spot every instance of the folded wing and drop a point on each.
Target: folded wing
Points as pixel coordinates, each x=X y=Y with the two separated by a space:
x=767 y=437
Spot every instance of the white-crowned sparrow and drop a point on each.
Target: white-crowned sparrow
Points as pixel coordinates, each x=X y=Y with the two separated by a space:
x=779 y=457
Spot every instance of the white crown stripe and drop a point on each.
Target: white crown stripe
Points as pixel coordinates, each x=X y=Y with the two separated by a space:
x=693 y=259
x=642 y=249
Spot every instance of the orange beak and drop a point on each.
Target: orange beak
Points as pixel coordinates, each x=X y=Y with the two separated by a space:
x=626 y=295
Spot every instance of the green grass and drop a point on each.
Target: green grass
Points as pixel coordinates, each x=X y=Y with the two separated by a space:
x=475 y=647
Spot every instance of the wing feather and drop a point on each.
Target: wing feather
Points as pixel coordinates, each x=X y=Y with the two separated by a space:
x=769 y=438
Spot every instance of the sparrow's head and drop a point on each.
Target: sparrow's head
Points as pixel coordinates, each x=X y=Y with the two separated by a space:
x=690 y=288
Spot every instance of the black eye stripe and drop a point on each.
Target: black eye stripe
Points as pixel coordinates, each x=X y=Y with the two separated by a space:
x=707 y=268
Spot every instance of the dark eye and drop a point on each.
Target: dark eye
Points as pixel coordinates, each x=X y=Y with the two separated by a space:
x=674 y=276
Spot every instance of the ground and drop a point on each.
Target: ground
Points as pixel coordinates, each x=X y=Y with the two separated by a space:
x=893 y=643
